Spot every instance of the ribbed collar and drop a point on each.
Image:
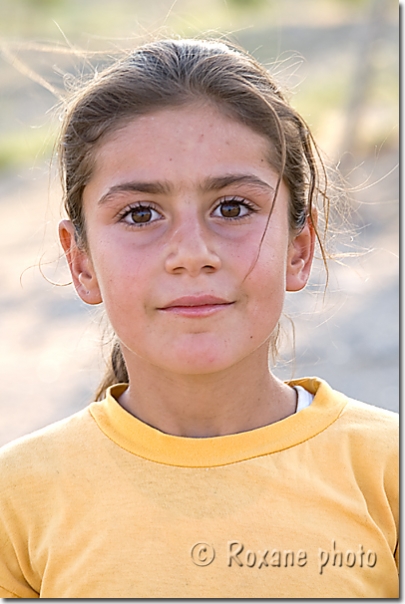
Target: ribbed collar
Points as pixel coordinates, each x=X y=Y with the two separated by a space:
x=140 y=439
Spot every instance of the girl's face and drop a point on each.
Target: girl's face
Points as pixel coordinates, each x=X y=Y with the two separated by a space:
x=175 y=211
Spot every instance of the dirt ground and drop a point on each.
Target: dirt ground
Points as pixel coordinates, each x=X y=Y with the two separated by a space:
x=50 y=350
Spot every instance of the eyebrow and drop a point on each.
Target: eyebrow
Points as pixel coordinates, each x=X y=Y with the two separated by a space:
x=164 y=188
x=221 y=182
x=135 y=187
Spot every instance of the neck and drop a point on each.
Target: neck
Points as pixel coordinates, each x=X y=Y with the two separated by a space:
x=244 y=397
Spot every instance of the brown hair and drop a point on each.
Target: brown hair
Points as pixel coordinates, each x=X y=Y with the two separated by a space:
x=169 y=73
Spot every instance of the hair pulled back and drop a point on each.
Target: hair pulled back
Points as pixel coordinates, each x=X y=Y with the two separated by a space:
x=171 y=73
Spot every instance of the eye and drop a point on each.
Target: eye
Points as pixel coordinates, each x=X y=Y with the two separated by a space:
x=233 y=208
x=140 y=215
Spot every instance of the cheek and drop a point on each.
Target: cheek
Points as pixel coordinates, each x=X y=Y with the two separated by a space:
x=269 y=268
x=121 y=273
x=266 y=286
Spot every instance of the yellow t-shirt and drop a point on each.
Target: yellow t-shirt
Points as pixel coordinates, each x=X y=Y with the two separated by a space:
x=101 y=505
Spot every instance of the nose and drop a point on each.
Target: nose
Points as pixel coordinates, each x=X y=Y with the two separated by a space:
x=191 y=250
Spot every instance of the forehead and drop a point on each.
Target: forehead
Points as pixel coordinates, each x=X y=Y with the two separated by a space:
x=182 y=142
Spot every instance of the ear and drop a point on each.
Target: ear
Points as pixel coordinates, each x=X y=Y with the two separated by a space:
x=80 y=265
x=300 y=256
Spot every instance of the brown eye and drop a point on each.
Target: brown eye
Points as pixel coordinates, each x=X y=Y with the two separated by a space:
x=234 y=208
x=230 y=209
x=139 y=215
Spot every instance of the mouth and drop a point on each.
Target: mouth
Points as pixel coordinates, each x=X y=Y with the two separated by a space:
x=196 y=306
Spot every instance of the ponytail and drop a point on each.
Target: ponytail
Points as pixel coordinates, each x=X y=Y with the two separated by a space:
x=116 y=372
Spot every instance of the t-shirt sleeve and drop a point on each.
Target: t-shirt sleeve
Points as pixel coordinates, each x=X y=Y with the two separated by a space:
x=13 y=584
x=396 y=556
x=7 y=594
x=16 y=572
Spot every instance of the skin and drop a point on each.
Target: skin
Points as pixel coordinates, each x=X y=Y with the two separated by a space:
x=197 y=368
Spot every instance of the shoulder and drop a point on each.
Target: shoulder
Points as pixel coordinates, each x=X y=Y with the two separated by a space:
x=359 y=445
x=373 y=434
x=372 y=425
x=373 y=420
x=368 y=436
x=370 y=454
x=360 y=426
x=358 y=415
x=46 y=452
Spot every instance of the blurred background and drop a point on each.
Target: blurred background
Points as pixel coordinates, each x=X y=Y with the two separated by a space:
x=338 y=59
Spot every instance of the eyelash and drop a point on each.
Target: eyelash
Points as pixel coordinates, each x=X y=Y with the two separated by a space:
x=236 y=201
x=138 y=206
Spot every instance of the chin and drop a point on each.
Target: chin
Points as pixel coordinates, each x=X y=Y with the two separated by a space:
x=198 y=358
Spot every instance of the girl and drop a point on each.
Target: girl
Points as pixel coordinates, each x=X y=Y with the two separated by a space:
x=191 y=188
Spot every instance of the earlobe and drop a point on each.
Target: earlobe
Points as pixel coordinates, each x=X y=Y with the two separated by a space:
x=80 y=265
x=300 y=256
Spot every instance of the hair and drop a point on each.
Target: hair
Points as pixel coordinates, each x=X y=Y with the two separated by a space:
x=172 y=73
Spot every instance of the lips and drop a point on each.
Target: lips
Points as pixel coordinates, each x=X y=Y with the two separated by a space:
x=191 y=301
x=194 y=306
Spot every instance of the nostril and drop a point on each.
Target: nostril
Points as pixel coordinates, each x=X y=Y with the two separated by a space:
x=192 y=257
x=209 y=268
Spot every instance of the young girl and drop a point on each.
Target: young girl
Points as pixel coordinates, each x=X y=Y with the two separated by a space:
x=190 y=189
